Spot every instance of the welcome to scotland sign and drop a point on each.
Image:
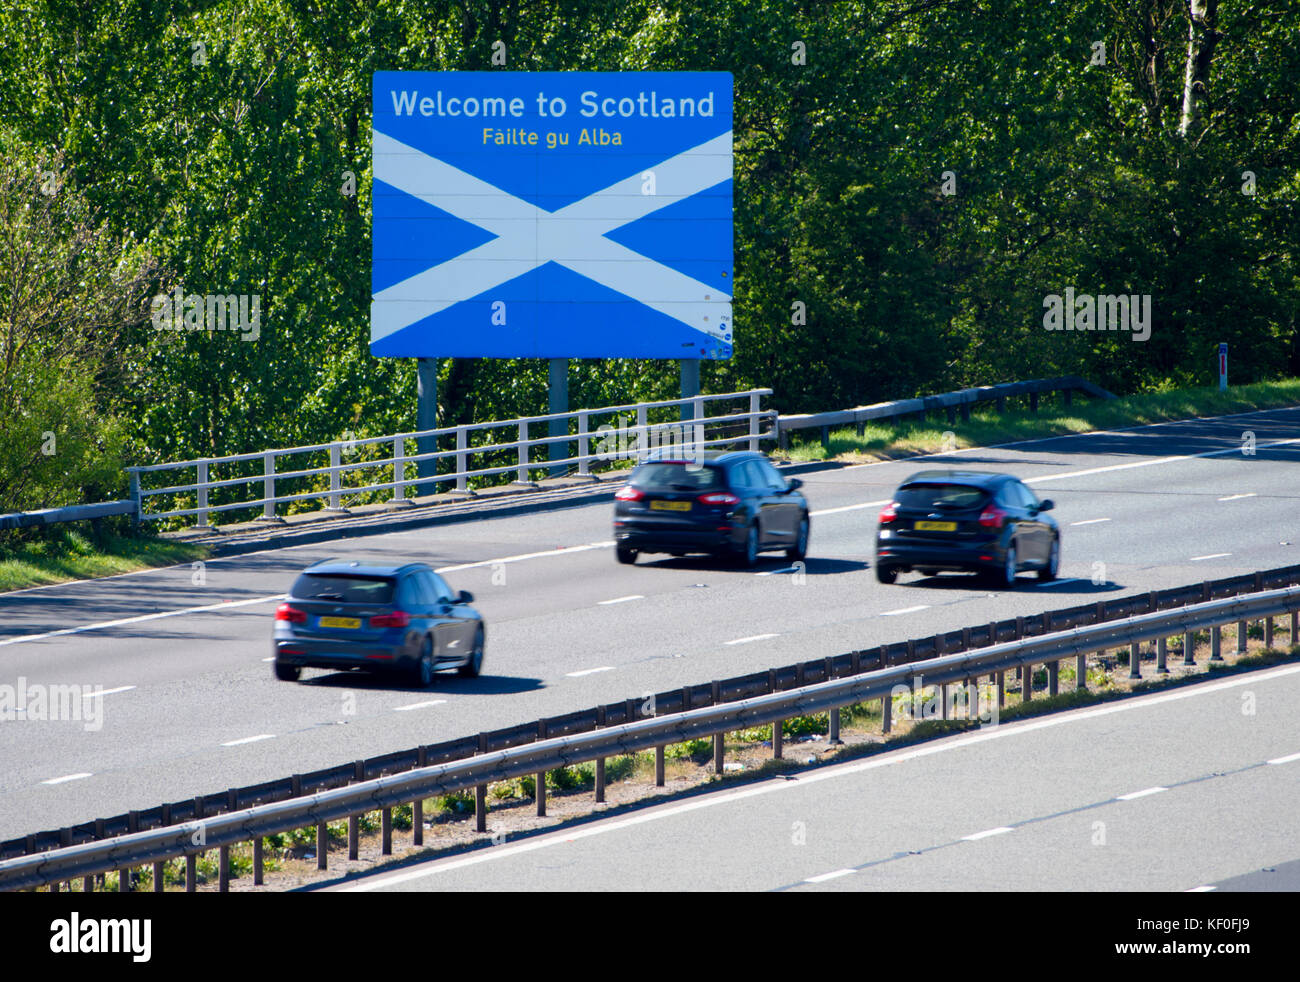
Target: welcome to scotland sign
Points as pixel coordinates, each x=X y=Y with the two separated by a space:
x=552 y=215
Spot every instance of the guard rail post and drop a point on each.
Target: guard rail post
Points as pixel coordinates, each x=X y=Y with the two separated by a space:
x=521 y=472
x=1189 y=648
x=1080 y=672
x=1216 y=639
x=257 y=861
x=223 y=869
x=322 y=846
x=584 y=445
x=133 y=476
x=1162 y=652
x=386 y=831
x=753 y=421
x=1295 y=627
x=336 y=477
x=480 y=793
x=354 y=820
x=1268 y=632
x=268 y=487
x=886 y=714
x=462 y=458
x=399 y=472
x=1134 y=660
x=1241 y=637
x=719 y=739
x=417 y=806
x=202 y=516
x=1053 y=673
x=833 y=738
x=600 y=761
x=541 y=775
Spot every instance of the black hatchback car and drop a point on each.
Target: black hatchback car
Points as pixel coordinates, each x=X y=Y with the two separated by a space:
x=967 y=520
x=732 y=504
x=398 y=619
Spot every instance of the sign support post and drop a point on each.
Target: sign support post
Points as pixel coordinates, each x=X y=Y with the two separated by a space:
x=690 y=373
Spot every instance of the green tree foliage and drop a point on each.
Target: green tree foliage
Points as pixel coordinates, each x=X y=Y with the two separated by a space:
x=218 y=135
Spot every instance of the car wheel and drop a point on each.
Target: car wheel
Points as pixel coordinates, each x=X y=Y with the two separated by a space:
x=1048 y=572
x=472 y=667
x=886 y=574
x=749 y=557
x=422 y=675
x=626 y=555
x=287 y=673
x=1006 y=577
x=800 y=548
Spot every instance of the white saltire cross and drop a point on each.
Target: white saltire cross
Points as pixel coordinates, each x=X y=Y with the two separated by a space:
x=528 y=236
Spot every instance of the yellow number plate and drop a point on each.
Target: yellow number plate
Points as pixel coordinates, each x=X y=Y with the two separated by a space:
x=936 y=526
x=353 y=622
x=670 y=506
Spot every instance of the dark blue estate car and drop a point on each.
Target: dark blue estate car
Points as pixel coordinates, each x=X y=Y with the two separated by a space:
x=399 y=619
x=967 y=520
x=729 y=504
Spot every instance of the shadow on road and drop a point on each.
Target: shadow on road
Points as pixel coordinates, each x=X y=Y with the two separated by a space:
x=1025 y=583
x=812 y=566
x=484 y=685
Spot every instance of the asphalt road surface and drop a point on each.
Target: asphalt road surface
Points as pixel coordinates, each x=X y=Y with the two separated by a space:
x=1190 y=790
x=190 y=705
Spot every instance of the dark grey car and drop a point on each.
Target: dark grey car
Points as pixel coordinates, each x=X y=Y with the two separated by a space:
x=402 y=620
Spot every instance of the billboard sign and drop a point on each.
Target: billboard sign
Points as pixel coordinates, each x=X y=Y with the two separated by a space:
x=552 y=215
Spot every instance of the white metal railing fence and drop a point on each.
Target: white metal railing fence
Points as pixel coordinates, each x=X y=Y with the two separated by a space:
x=698 y=429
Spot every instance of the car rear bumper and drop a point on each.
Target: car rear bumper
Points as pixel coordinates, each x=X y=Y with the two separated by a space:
x=327 y=654
x=954 y=556
x=676 y=538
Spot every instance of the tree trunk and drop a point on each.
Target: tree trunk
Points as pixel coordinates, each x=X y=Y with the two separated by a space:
x=1202 y=15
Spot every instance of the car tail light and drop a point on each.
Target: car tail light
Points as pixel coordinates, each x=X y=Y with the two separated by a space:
x=291 y=614
x=992 y=517
x=398 y=618
x=718 y=498
x=888 y=514
x=629 y=493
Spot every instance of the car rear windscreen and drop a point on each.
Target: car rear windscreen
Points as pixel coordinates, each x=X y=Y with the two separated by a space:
x=940 y=496
x=343 y=588
x=679 y=477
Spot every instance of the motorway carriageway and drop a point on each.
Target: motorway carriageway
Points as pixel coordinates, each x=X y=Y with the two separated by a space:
x=190 y=705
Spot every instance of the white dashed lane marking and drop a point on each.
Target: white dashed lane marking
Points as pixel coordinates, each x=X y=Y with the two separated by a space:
x=589 y=671
x=905 y=610
x=252 y=739
x=66 y=778
x=754 y=637
x=829 y=876
x=1140 y=794
x=1000 y=830
x=419 y=705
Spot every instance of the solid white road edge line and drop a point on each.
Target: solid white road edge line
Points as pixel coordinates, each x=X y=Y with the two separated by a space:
x=831 y=773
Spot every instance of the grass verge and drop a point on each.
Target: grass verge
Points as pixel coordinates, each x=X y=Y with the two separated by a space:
x=66 y=552
x=881 y=441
